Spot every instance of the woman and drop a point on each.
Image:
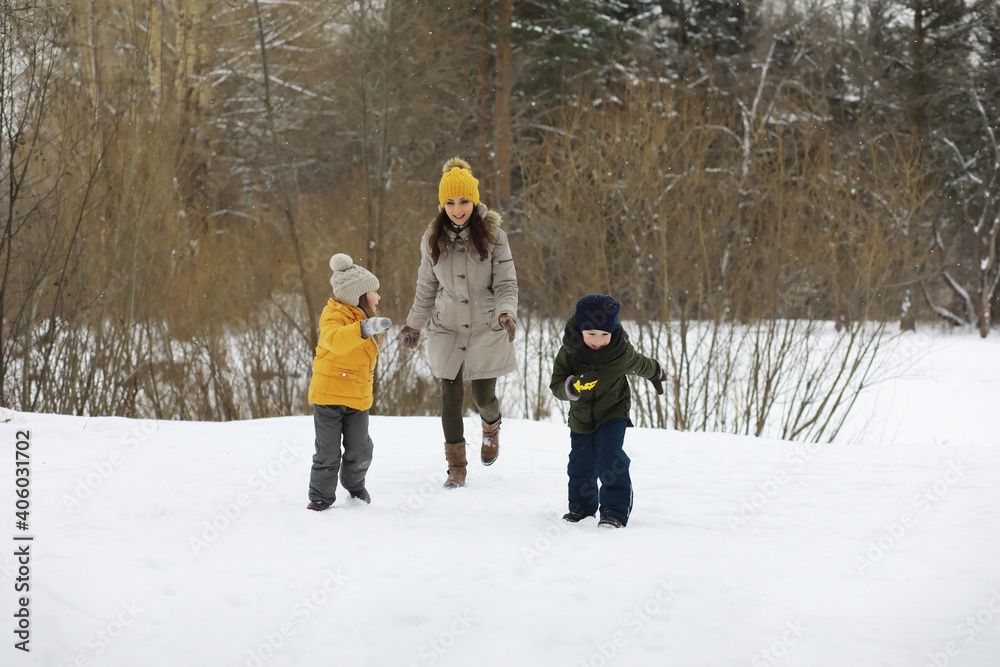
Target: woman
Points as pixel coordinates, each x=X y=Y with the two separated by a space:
x=466 y=297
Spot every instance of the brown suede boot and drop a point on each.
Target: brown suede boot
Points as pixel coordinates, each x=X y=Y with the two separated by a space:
x=491 y=442
x=455 y=453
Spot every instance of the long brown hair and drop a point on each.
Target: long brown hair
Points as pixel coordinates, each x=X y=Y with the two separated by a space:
x=367 y=309
x=480 y=234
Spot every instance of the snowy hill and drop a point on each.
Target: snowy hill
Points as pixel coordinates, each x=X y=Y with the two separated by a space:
x=171 y=543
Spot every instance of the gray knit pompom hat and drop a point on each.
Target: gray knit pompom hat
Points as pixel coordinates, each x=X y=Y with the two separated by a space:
x=350 y=282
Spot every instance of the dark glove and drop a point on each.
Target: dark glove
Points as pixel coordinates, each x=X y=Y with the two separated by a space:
x=508 y=323
x=409 y=337
x=581 y=385
x=658 y=379
x=374 y=325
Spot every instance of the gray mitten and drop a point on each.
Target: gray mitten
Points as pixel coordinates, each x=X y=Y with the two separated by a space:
x=374 y=325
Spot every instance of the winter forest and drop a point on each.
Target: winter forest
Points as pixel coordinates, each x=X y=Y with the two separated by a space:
x=740 y=174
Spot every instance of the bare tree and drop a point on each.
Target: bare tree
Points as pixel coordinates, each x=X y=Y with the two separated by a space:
x=502 y=120
x=976 y=179
x=288 y=194
x=731 y=256
x=27 y=83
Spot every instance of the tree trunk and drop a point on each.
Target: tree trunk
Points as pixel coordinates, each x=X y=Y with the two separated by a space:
x=95 y=65
x=288 y=197
x=504 y=76
x=377 y=222
x=482 y=150
x=990 y=276
x=203 y=56
x=156 y=53
x=183 y=47
x=919 y=73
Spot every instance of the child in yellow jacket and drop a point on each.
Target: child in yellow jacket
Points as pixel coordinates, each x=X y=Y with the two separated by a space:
x=341 y=388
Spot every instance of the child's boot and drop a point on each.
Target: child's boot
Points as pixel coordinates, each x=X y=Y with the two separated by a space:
x=455 y=453
x=491 y=442
x=362 y=495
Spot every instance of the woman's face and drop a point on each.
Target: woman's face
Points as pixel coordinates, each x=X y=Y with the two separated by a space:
x=459 y=209
x=373 y=299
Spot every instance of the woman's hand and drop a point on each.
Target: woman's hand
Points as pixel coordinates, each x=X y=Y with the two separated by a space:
x=508 y=323
x=409 y=337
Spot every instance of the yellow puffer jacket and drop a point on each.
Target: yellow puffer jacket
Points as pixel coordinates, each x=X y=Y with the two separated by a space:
x=344 y=367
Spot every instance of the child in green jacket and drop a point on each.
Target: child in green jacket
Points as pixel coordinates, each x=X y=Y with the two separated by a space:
x=589 y=371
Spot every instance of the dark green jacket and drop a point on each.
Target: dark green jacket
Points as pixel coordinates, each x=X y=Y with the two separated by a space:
x=611 y=398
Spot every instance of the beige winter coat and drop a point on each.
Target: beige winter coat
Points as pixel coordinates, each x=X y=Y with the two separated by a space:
x=459 y=301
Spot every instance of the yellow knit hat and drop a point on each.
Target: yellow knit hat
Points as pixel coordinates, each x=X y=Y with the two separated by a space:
x=458 y=181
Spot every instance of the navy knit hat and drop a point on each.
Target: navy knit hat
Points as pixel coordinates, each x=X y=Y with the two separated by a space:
x=597 y=312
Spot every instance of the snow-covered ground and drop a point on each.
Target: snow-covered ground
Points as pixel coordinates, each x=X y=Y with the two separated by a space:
x=173 y=543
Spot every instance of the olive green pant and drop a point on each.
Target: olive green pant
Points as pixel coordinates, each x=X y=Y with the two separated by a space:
x=484 y=395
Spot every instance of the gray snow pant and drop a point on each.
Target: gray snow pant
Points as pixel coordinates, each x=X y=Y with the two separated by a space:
x=333 y=422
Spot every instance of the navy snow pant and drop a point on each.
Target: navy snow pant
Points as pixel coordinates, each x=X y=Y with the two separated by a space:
x=333 y=423
x=599 y=456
